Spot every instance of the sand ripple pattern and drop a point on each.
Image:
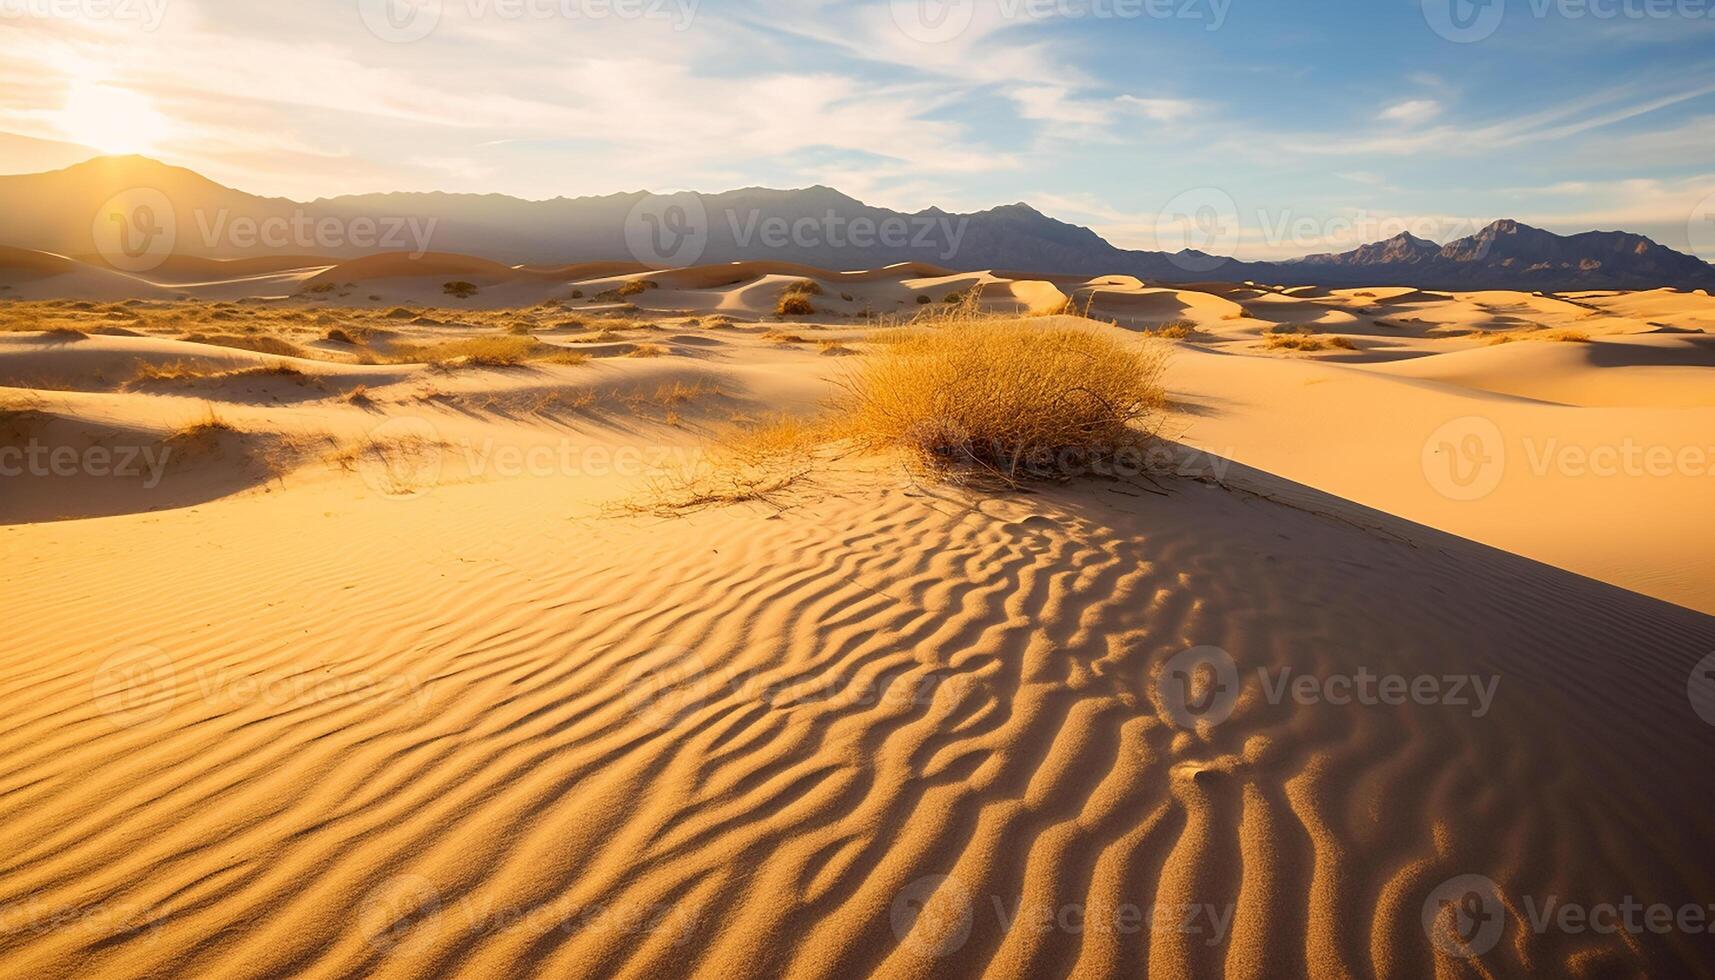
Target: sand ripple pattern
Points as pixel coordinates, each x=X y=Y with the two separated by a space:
x=891 y=733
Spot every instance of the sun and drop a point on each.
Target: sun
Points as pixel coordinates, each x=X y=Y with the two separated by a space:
x=111 y=119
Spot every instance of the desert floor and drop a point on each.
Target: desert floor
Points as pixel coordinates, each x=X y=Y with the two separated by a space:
x=357 y=628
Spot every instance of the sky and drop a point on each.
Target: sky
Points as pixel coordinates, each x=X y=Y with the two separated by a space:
x=1294 y=126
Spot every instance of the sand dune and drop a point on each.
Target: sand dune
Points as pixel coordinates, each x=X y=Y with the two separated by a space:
x=385 y=669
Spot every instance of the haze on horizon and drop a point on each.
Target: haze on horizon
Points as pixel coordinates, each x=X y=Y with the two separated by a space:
x=1103 y=112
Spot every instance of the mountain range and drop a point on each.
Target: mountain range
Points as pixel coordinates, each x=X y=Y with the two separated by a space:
x=72 y=211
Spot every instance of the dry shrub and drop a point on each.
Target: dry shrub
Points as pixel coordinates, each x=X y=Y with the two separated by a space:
x=758 y=462
x=459 y=289
x=1304 y=342
x=260 y=344
x=783 y=337
x=1568 y=337
x=1004 y=397
x=647 y=350
x=794 y=304
x=636 y=287
x=497 y=352
x=1173 y=330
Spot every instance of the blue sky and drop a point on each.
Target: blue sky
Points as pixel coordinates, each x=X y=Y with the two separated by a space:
x=1304 y=126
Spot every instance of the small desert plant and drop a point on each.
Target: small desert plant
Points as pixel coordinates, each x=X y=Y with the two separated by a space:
x=1568 y=336
x=805 y=287
x=459 y=289
x=923 y=300
x=636 y=287
x=1008 y=398
x=259 y=344
x=1305 y=342
x=577 y=294
x=794 y=304
x=647 y=350
x=1173 y=330
x=782 y=337
x=495 y=352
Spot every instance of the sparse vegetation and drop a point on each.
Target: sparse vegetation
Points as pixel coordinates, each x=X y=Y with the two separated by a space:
x=1004 y=397
x=1173 y=330
x=459 y=289
x=1305 y=342
x=491 y=352
x=636 y=287
x=794 y=304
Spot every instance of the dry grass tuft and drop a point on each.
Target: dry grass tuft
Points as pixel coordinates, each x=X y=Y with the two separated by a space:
x=636 y=287
x=489 y=352
x=1173 y=330
x=1305 y=342
x=784 y=337
x=261 y=344
x=206 y=427
x=648 y=350
x=1568 y=336
x=1006 y=398
x=794 y=304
